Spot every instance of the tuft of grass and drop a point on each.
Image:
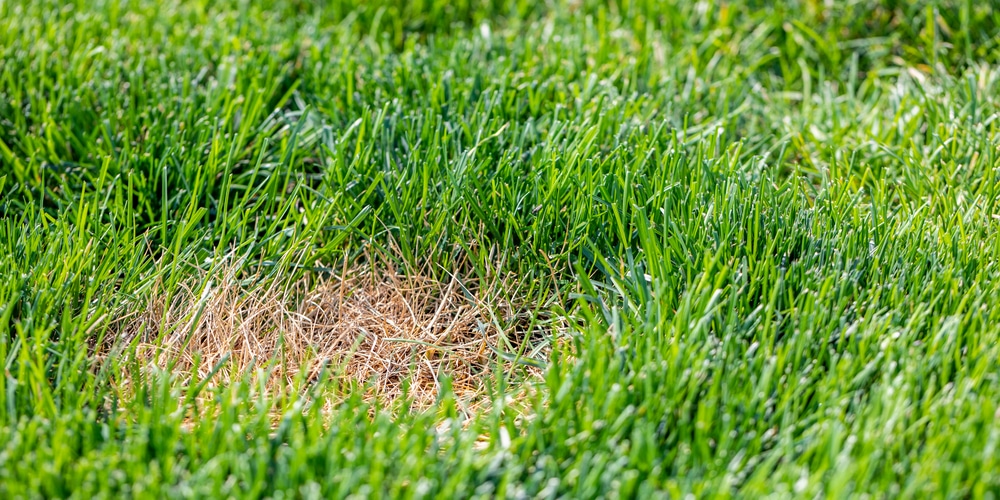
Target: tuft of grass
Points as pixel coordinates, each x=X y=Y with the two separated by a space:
x=723 y=249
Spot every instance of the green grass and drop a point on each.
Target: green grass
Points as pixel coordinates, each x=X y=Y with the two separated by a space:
x=773 y=229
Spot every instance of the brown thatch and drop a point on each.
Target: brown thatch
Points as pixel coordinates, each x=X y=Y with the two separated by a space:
x=377 y=326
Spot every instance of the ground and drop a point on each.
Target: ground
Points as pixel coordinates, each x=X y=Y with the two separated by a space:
x=499 y=248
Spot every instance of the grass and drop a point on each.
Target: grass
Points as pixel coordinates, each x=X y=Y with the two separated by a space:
x=745 y=249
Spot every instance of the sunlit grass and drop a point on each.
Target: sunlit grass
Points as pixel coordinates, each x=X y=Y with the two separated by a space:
x=753 y=248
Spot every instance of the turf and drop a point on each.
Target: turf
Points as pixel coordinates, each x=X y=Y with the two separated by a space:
x=769 y=233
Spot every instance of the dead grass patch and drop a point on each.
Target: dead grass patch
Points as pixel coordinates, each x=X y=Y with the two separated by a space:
x=380 y=327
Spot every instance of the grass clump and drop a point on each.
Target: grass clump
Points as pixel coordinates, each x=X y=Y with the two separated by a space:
x=632 y=249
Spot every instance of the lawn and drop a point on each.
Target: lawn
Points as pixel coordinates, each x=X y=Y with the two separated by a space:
x=499 y=248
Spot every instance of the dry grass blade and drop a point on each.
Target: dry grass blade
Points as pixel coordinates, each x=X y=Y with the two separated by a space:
x=381 y=328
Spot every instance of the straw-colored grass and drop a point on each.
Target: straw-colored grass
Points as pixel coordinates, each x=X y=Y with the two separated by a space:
x=374 y=325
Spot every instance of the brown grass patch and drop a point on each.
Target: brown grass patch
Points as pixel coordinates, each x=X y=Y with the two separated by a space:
x=378 y=326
